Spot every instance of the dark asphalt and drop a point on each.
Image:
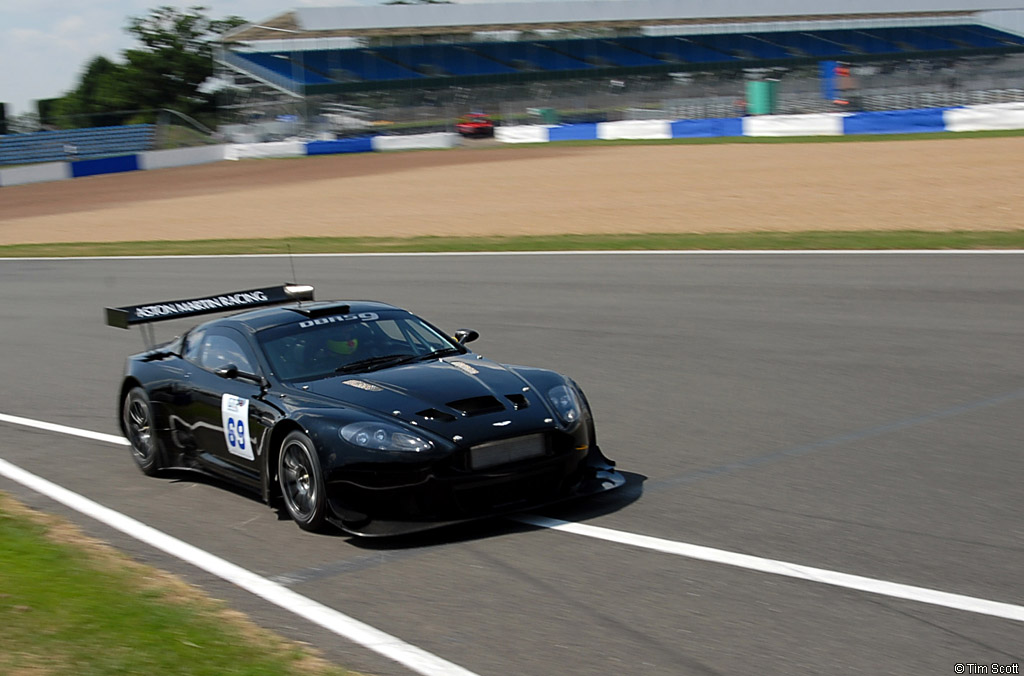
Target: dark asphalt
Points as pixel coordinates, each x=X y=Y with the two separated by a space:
x=859 y=413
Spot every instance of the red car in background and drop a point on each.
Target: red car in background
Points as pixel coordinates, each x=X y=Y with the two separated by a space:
x=475 y=125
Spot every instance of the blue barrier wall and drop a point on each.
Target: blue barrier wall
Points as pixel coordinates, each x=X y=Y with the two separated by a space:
x=886 y=122
x=573 y=132
x=348 y=145
x=106 y=165
x=729 y=126
x=895 y=121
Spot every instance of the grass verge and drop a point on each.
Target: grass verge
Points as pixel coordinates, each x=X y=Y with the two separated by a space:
x=71 y=605
x=852 y=240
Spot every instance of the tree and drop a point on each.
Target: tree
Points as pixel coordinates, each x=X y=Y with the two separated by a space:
x=91 y=103
x=174 y=58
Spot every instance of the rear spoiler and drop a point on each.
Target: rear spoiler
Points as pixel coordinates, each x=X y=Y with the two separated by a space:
x=130 y=315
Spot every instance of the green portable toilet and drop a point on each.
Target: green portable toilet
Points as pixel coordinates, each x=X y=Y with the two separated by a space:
x=548 y=115
x=762 y=97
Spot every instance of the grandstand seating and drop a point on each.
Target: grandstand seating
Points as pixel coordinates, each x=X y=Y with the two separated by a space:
x=443 y=59
x=530 y=56
x=361 y=64
x=857 y=42
x=807 y=44
x=603 y=53
x=72 y=144
x=295 y=70
x=291 y=69
x=1004 y=38
x=674 y=50
x=744 y=46
x=912 y=39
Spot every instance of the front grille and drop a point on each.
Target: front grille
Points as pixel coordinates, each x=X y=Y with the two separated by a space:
x=507 y=451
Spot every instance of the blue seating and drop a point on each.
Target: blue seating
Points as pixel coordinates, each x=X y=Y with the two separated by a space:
x=283 y=65
x=674 y=50
x=741 y=45
x=1006 y=39
x=911 y=39
x=854 y=40
x=602 y=53
x=362 y=64
x=965 y=37
x=806 y=44
x=72 y=144
x=530 y=56
x=295 y=70
x=444 y=59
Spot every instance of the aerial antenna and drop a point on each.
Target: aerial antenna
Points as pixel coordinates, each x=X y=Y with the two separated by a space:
x=291 y=261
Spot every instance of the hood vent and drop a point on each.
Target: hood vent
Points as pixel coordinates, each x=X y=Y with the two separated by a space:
x=477 y=405
x=519 y=401
x=434 y=414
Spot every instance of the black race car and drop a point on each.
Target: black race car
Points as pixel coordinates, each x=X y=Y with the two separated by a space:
x=356 y=413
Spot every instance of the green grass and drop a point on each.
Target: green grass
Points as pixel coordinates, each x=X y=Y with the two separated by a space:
x=71 y=606
x=904 y=239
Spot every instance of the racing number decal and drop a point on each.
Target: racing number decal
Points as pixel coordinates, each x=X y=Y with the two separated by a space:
x=234 y=418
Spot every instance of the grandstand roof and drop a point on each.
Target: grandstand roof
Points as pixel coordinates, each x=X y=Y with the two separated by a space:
x=381 y=20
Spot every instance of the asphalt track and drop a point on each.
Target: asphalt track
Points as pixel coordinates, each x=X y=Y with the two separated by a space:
x=853 y=413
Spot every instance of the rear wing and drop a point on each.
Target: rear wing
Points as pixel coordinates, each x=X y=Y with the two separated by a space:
x=131 y=315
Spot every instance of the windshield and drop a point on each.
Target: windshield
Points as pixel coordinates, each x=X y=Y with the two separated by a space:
x=350 y=343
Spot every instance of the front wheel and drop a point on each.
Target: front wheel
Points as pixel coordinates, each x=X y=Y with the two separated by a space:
x=140 y=428
x=302 y=482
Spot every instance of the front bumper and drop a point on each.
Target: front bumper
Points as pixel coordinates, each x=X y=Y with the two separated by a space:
x=375 y=504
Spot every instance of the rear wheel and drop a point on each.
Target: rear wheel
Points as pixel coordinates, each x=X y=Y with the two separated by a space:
x=302 y=482
x=138 y=421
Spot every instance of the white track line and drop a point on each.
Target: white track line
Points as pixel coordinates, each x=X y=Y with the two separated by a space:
x=871 y=585
x=845 y=580
x=63 y=429
x=601 y=252
x=416 y=659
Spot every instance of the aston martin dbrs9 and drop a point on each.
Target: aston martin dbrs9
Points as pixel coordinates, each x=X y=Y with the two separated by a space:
x=356 y=413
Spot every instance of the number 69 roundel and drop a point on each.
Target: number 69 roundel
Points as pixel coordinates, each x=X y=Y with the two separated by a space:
x=234 y=417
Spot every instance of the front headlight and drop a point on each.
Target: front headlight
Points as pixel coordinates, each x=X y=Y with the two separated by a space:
x=566 y=403
x=383 y=436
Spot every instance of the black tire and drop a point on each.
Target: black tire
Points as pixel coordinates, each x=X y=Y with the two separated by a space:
x=139 y=427
x=302 y=482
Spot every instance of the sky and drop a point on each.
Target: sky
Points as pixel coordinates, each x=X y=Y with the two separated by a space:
x=45 y=45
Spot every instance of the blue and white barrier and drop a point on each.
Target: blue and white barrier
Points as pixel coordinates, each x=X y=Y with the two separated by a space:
x=180 y=157
x=984 y=118
x=826 y=124
x=996 y=116
x=35 y=173
x=971 y=118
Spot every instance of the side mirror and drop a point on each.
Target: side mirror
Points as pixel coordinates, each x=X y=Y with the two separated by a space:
x=463 y=336
x=231 y=372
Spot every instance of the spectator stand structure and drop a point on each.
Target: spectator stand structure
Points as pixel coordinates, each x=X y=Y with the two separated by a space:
x=405 y=64
x=76 y=144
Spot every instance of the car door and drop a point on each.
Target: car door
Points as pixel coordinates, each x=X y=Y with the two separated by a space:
x=228 y=416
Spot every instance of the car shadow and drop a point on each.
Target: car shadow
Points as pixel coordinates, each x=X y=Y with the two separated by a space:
x=582 y=509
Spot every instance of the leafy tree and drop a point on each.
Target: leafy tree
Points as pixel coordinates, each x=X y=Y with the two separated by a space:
x=174 y=58
x=93 y=101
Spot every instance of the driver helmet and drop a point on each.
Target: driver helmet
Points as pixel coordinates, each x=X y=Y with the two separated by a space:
x=345 y=341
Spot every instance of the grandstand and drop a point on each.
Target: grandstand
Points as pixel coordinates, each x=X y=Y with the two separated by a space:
x=407 y=62
x=76 y=144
